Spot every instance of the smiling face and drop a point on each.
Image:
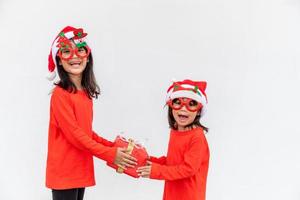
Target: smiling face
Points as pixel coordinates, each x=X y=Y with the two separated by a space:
x=184 y=116
x=76 y=64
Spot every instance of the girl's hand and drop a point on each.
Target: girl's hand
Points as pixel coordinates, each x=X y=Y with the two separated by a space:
x=145 y=171
x=123 y=159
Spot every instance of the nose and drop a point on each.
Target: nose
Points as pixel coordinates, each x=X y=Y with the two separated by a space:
x=74 y=55
x=184 y=107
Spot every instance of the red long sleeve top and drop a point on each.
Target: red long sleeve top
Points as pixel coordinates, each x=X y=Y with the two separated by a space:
x=72 y=142
x=186 y=166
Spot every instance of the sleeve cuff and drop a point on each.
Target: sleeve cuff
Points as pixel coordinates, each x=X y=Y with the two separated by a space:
x=152 y=159
x=155 y=171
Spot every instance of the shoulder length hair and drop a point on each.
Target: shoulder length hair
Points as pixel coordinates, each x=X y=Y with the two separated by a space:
x=88 y=81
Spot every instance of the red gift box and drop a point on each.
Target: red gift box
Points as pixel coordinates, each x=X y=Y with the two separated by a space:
x=135 y=150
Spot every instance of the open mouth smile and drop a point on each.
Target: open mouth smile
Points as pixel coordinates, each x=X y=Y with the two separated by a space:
x=75 y=63
x=183 y=117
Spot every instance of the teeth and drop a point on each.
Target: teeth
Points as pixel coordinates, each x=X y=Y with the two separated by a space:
x=183 y=116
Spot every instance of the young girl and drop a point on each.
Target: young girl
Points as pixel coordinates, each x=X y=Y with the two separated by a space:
x=186 y=165
x=72 y=143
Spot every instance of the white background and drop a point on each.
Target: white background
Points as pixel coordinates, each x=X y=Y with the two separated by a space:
x=247 y=51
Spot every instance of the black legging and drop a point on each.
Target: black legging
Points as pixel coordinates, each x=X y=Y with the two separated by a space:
x=69 y=194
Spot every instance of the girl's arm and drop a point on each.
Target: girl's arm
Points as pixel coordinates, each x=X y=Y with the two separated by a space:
x=102 y=140
x=161 y=160
x=61 y=107
x=190 y=165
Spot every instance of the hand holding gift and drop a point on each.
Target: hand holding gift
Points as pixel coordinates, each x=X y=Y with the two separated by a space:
x=145 y=171
x=130 y=154
x=123 y=159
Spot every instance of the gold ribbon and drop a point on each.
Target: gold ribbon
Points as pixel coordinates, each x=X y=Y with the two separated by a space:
x=129 y=151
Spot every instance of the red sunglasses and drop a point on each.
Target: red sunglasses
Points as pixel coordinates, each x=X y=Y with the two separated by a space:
x=190 y=104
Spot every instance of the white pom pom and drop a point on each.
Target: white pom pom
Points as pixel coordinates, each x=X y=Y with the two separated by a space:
x=203 y=111
x=51 y=76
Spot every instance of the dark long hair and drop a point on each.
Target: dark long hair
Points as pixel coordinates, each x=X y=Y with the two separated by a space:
x=88 y=81
x=196 y=122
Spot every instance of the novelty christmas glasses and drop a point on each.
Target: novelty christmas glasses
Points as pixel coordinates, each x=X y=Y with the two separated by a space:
x=190 y=104
x=67 y=49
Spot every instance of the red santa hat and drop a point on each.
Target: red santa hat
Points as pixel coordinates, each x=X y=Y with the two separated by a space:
x=189 y=89
x=69 y=32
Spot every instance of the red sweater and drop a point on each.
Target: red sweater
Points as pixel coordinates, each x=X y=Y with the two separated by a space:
x=72 y=142
x=185 y=167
